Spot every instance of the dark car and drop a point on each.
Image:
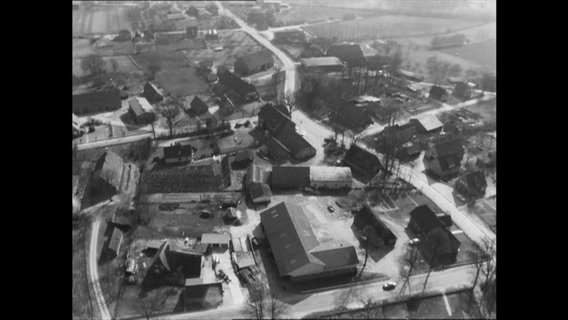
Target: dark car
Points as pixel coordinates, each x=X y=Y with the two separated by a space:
x=389 y=286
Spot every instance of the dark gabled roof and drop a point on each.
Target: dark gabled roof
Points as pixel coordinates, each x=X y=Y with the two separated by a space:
x=256 y=59
x=362 y=160
x=259 y=190
x=425 y=218
x=177 y=151
x=151 y=92
x=349 y=53
x=290 y=236
x=352 y=115
x=429 y=122
x=290 y=177
x=474 y=180
x=276 y=149
x=274 y=118
x=233 y=82
x=335 y=254
x=160 y=256
x=366 y=217
x=282 y=108
x=198 y=107
x=140 y=106
x=109 y=168
x=293 y=141
x=449 y=147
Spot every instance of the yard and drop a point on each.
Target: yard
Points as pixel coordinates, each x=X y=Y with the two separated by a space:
x=175 y=74
x=235 y=43
x=125 y=65
x=387 y=26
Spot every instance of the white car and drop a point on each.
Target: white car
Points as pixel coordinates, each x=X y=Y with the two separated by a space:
x=414 y=241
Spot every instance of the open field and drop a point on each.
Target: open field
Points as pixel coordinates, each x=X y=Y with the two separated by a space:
x=175 y=74
x=124 y=65
x=483 y=53
x=100 y=20
x=308 y=14
x=235 y=44
x=82 y=305
x=387 y=26
x=81 y=48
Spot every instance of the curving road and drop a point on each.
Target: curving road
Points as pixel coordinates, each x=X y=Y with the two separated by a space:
x=94 y=273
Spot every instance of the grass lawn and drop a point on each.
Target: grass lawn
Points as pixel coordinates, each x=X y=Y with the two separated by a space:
x=307 y=14
x=175 y=75
x=387 y=26
x=82 y=304
x=125 y=65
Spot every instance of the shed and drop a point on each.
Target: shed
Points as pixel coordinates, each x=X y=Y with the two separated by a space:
x=141 y=110
x=330 y=177
x=260 y=193
x=152 y=93
x=198 y=107
x=427 y=123
x=220 y=240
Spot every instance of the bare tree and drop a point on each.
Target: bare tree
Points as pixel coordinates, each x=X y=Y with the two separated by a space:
x=410 y=258
x=114 y=67
x=260 y=304
x=169 y=113
x=276 y=308
x=149 y=304
x=93 y=64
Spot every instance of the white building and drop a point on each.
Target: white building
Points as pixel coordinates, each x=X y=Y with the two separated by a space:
x=330 y=177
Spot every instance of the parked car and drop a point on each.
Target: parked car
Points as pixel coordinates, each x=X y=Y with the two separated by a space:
x=414 y=241
x=205 y=214
x=389 y=286
x=330 y=208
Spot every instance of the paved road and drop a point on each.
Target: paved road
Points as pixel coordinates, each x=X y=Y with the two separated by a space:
x=115 y=141
x=94 y=273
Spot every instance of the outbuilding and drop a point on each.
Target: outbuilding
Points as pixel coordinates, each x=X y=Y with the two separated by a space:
x=141 y=110
x=330 y=177
x=216 y=240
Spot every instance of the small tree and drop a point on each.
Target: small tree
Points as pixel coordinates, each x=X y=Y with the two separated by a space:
x=114 y=67
x=93 y=64
x=411 y=257
x=169 y=113
x=149 y=304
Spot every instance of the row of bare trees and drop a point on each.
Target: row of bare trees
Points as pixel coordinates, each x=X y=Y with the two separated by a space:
x=261 y=304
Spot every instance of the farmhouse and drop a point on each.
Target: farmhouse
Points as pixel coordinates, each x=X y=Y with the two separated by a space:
x=362 y=162
x=106 y=178
x=462 y=91
x=444 y=159
x=254 y=62
x=427 y=123
x=297 y=252
x=198 y=107
x=472 y=185
x=152 y=94
x=299 y=148
x=351 y=54
x=237 y=87
x=141 y=110
x=323 y=64
x=103 y=99
x=352 y=116
x=373 y=228
x=330 y=177
x=290 y=177
x=272 y=119
x=178 y=153
x=216 y=240
x=438 y=93
x=199 y=176
x=438 y=245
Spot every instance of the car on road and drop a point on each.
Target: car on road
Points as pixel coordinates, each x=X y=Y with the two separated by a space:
x=255 y=242
x=330 y=208
x=389 y=286
x=414 y=241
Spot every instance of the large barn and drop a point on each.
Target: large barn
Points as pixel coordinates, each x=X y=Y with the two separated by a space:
x=296 y=250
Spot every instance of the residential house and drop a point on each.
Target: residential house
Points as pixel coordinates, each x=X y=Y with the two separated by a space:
x=141 y=110
x=299 y=148
x=471 y=185
x=444 y=158
x=297 y=252
x=152 y=93
x=427 y=123
x=362 y=163
x=178 y=153
x=462 y=91
x=216 y=240
x=372 y=228
x=352 y=116
x=255 y=62
x=330 y=177
x=323 y=64
x=103 y=99
x=438 y=245
x=289 y=177
x=198 y=107
x=400 y=134
x=243 y=159
x=106 y=177
x=237 y=87
x=438 y=93
x=272 y=119
x=175 y=16
x=351 y=54
x=260 y=193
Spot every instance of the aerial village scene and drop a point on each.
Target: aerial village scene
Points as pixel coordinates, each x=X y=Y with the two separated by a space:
x=284 y=159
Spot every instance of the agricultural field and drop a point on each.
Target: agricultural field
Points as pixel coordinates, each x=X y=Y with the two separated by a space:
x=309 y=14
x=483 y=53
x=387 y=26
x=174 y=74
x=235 y=44
x=82 y=48
x=125 y=65
x=100 y=20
